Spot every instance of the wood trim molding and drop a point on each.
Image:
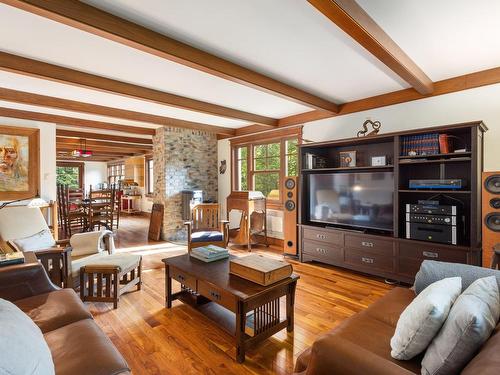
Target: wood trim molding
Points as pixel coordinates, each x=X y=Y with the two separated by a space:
x=269 y=135
x=76 y=106
x=73 y=121
x=82 y=16
x=355 y=22
x=72 y=141
x=446 y=86
x=106 y=137
x=39 y=69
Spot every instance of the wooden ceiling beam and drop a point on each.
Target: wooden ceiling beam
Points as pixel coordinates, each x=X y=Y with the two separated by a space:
x=99 y=153
x=76 y=106
x=358 y=24
x=90 y=143
x=71 y=146
x=39 y=69
x=446 y=86
x=82 y=16
x=105 y=137
x=77 y=123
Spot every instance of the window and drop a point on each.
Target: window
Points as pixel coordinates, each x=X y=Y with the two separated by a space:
x=116 y=173
x=266 y=169
x=262 y=165
x=70 y=174
x=149 y=176
x=242 y=168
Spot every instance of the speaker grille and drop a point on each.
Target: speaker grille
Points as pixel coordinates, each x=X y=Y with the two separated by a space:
x=495 y=203
x=492 y=184
x=290 y=183
x=290 y=205
x=492 y=221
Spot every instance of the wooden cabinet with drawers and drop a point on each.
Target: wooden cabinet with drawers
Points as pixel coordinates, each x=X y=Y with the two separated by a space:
x=384 y=256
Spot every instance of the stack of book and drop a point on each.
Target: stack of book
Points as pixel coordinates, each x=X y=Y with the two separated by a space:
x=424 y=144
x=209 y=253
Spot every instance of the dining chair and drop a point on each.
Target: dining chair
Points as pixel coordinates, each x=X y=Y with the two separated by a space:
x=101 y=208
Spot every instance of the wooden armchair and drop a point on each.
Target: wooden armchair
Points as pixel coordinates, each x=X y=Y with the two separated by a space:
x=206 y=227
x=21 y=223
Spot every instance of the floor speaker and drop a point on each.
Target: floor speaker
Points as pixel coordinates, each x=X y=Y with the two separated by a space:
x=490 y=214
x=290 y=216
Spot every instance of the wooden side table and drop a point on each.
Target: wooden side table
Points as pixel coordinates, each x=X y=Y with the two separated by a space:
x=108 y=279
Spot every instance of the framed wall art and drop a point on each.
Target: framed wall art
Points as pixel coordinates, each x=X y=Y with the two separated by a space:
x=19 y=162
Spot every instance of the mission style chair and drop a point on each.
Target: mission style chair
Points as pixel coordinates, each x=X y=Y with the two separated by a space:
x=206 y=226
x=23 y=228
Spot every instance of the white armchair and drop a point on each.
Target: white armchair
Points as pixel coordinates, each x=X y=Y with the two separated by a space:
x=25 y=229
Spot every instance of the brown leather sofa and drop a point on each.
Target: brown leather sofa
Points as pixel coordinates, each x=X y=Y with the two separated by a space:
x=360 y=345
x=78 y=346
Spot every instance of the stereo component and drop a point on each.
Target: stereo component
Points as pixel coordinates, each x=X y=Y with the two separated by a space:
x=430 y=221
x=490 y=215
x=290 y=216
x=437 y=184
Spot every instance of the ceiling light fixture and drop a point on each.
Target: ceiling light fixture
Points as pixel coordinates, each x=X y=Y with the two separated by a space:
x=82 y=151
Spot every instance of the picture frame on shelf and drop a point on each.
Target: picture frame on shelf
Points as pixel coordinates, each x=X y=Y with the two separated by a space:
x=347 y=159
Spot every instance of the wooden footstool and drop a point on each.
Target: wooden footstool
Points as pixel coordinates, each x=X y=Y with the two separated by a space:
x=110 y=277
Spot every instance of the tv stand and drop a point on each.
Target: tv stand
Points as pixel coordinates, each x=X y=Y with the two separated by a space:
x=390 y=254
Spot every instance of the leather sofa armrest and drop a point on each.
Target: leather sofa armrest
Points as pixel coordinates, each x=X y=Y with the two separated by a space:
x=24 y=280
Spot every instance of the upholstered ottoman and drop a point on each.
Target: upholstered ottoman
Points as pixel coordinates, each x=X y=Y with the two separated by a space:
x=109 y=277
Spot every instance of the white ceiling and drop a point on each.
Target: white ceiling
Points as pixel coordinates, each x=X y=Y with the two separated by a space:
x=286 y=39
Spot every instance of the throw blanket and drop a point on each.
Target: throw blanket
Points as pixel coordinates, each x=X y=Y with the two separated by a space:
x=91 y=243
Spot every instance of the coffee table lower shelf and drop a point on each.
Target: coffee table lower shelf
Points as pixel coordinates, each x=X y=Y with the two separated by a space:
x=252 y=321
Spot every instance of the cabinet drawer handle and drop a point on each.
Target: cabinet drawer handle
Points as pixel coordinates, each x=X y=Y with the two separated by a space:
x=215 y=295
x=367 y=260
x=430 y=254
x=321 y=236
x=320 y=250
x=367 y=244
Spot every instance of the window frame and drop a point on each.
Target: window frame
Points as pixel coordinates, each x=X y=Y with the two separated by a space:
x=81 y=170
x=281 y=137
x=148 y=188
x=112 y=166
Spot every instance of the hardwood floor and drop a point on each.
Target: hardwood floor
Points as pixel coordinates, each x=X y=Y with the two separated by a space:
x=180 y=340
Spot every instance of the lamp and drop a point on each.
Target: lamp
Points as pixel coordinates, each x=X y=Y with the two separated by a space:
x=36 y=202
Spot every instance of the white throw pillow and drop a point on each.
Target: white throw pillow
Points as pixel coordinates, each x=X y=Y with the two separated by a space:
x=423 y=317
x=22 y=346
x=471 y=320
x=39 y=241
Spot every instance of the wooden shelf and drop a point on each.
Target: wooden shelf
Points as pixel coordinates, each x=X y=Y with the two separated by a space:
x=370 y=167
x=449 y=155
x=437 y=191
x=433 y=161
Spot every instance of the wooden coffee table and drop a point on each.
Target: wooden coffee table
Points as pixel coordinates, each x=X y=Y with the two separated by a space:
x=248 y=311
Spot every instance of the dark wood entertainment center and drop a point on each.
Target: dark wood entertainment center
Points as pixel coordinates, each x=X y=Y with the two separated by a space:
x=388 y=253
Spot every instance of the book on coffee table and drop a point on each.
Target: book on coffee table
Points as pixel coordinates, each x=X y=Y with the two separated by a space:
x=209 y=253
x=11 y=258
x=260 y=269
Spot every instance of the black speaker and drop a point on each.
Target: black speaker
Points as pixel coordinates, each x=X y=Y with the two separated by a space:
x=492 y=221
x=492 y=184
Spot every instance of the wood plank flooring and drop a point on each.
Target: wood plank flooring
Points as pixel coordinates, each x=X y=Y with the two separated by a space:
x=155 y=340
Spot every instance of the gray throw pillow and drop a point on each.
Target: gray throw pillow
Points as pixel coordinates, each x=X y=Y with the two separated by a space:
x=423 y=317
x=432 y=271
x=22 y=345
x=470 y=323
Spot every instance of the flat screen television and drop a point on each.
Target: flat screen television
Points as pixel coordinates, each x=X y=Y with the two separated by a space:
x=359 y=200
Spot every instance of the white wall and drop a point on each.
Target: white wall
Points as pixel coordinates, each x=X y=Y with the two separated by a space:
x=470 y=105
x=95 y=173
x=47 y=154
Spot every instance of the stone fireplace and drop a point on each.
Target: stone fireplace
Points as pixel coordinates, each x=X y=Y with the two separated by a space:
x=183 y=159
